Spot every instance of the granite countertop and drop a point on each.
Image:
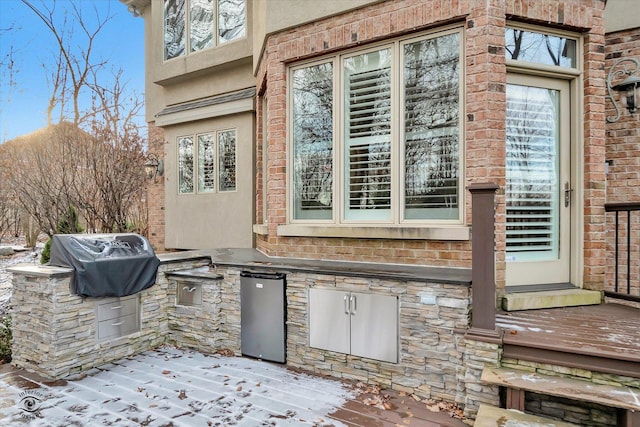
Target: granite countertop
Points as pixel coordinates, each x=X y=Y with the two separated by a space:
x=256 y=261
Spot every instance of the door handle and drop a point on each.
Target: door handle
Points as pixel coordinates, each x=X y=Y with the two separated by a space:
x=353 y=303
x=567 y=194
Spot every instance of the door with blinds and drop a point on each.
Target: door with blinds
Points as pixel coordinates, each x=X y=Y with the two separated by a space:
x=538 y=181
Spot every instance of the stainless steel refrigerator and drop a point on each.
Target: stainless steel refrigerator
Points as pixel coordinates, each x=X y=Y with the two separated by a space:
x=263 y=315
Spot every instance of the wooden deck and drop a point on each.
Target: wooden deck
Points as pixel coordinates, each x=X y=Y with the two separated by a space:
x=388 y=408
x=602 y=337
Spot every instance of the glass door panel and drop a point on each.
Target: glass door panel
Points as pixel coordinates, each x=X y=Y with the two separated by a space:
x=537 y=170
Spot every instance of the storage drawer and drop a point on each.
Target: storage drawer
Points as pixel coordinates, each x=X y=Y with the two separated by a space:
x=118 y=327
x=114 y=308
x=189 y=293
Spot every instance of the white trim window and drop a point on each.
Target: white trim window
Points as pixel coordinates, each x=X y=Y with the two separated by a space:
x=540 y=48
x=214 y=159
x=375 y=134
x=193 y=25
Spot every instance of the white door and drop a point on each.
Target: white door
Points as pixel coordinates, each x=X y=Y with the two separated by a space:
x=539 y=187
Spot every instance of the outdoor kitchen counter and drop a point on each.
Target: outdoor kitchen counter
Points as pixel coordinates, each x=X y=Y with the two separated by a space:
x=198 y=273
x=254 y=260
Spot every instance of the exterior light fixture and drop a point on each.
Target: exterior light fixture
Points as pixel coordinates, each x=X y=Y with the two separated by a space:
x=629 y=87
x=153 y=166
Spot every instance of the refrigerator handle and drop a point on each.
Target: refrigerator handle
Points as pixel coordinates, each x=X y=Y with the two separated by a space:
x=347 y=308
x=353 y=303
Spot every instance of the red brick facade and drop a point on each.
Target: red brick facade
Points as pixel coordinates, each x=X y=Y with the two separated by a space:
x=484 y=138
x=623 y=156
x=155 y=192
x=623 y=135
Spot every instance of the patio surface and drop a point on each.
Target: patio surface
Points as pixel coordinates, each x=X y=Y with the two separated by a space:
x=172 y=387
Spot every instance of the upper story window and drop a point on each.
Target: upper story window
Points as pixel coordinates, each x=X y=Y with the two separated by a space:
x=213 y=156
x=540 y=48
x=376 y=134
x=193 y=25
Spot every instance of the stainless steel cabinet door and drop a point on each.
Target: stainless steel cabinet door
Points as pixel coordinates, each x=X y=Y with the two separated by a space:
x=374 y=326
x=329 y=327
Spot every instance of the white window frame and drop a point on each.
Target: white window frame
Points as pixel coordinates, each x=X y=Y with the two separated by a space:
x=443 y=227
x=187 y=25
x=196 y=162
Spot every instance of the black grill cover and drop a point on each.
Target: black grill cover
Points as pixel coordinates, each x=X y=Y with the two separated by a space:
x=106 y=265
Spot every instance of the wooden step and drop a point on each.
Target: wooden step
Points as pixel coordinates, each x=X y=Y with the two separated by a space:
x=490 y=416
x=603 y=394
x=625 y=399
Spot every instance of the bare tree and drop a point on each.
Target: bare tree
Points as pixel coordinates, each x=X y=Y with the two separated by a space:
x=78 y=66
x=9 y=214
x=7 y=72
x=92 y=165
x=40 y=174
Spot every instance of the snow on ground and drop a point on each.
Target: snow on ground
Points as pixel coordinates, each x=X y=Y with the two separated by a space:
x=21 y=257
x=173 y=387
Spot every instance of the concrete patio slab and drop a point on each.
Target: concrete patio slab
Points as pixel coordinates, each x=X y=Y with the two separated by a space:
x=171 y=387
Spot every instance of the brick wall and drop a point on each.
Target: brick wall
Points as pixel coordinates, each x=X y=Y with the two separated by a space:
x=155 y=191
x=485 y=79
x=623 y=155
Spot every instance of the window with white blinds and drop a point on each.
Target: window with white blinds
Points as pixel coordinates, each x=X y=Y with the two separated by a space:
x=394 y=130
x=368 y=135
x=532 y=193
x=214 y=159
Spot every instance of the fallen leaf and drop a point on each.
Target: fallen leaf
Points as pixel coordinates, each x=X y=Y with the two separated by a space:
x=239 y=388
x=433 y=407
x=182 y=395
x=166 y=372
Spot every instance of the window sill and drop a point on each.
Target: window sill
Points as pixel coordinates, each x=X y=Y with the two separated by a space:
x=261 y=229
x=452 y=232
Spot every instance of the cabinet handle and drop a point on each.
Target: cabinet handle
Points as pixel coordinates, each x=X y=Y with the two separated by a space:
x=188 y=289
x=117 y=324
x=116 y=307
x=353 y=303
x=346 y=307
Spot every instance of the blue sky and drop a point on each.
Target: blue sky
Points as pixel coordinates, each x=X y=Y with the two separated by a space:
x=23 y=104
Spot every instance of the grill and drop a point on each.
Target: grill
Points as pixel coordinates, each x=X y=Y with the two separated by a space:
x=106 y=265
